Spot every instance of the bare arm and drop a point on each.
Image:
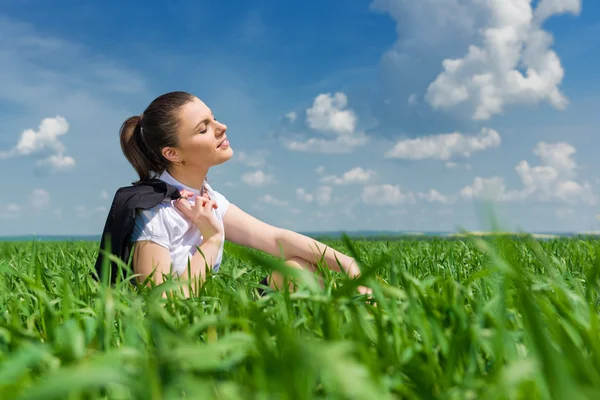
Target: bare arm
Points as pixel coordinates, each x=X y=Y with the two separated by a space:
x=149 y=257
x=246 y=230
x=297 y=245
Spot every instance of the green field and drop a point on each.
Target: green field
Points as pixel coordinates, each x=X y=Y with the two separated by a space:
x=468 y=318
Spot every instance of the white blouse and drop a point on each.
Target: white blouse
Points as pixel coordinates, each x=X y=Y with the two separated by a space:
x=165 y=225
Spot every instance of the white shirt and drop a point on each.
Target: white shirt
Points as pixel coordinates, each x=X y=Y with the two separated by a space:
x=165 y=225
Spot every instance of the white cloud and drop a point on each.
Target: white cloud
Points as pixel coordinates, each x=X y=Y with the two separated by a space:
x=322 y=195
x=433 y=196
x=83 y=86
x=557 y=155
x=493 y=188
x=452 y=165
x=550 y=181
x=413 y=99
x=43 y=141
x=386 y=194
x=39 y=199
x=10 y=211
x=104 y=195
x=339 y=145
x=302 y=195
x=319 y=170
x=291 y=116
x=256 y=159
x=444 y=146
x=268 y=199
x=489 y=76
x=329 y=116
x=355 y=175
x=258 y=178
x=547 y=8
x=56 y=163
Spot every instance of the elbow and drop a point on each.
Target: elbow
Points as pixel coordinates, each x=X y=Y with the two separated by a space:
x=281 y=240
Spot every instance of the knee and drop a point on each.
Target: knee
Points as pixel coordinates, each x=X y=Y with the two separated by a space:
x=296 y=262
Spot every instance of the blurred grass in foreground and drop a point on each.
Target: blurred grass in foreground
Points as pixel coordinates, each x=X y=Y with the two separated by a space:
x=472 y=318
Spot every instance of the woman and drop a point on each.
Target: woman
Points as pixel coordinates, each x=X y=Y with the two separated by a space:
x=178 y=139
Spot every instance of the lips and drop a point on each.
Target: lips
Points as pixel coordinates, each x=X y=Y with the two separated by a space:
x=224 y=143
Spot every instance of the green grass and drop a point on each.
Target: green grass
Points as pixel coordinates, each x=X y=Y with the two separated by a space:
x=469 y=318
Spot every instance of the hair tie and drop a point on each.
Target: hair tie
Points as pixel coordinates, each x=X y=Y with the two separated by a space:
x=139 y=123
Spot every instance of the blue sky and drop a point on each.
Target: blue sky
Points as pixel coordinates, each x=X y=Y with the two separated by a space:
x=379 y=114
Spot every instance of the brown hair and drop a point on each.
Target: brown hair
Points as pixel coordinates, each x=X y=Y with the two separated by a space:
x=143 y=137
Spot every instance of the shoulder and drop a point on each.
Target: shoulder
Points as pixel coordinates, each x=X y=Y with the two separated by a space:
x=159 y=223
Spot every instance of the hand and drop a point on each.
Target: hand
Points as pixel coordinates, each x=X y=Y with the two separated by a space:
x=201 y=214
x=365 y=290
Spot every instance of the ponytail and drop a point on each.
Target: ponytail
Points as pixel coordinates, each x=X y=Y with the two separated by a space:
x=132 y=147
x=143 y=137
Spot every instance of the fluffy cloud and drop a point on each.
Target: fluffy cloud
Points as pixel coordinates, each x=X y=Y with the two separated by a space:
x=10 y=211
x=268 y=199
x=330 y=117
x=490 y=75
x=498 y=55
x=552 y=180
x=256 y=159
x=291 y=116
x=355 y=175
x=328 y=114
x=42 y=142
x=452 y=165
x=258 y=178
x=302 y=195
x=489 y=189
x=39 y=202
x=444 y=146
x=433 y=196
x=386 y=194
x=321 y=195
x=341 y=144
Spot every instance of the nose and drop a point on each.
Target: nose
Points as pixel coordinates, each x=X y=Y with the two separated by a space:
x=221 y=129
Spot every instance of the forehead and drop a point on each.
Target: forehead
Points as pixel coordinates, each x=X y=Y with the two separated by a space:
x=194 y=112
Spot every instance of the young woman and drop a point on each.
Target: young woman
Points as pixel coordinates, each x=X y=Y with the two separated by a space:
x=178 y=140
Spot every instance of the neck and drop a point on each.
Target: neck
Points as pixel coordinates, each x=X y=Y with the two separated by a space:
x=190 y=177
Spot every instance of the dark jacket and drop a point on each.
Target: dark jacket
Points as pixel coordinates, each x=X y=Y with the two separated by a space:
x=121 y=217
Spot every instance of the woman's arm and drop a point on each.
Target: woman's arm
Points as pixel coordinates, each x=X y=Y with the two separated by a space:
x=149 y=257
x=246 y=230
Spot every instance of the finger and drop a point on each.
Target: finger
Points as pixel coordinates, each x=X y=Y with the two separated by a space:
x=183 y=205
x=186 y=193
x=209 y=204
x=201 y=200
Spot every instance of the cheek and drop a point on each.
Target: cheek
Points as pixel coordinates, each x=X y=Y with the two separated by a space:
x=203 y=145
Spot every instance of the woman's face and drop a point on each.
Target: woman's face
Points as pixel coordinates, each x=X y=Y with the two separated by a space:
x=202 y=139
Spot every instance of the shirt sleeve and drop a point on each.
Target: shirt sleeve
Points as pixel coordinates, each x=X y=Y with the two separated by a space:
x=222 y=202
x=149 y=225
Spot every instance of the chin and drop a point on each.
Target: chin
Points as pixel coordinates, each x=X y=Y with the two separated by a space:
x=225 y=156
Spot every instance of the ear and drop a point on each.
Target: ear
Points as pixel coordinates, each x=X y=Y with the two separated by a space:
x=171 y=154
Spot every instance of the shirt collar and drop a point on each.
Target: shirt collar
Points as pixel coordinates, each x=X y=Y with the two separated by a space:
x=166 y=177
